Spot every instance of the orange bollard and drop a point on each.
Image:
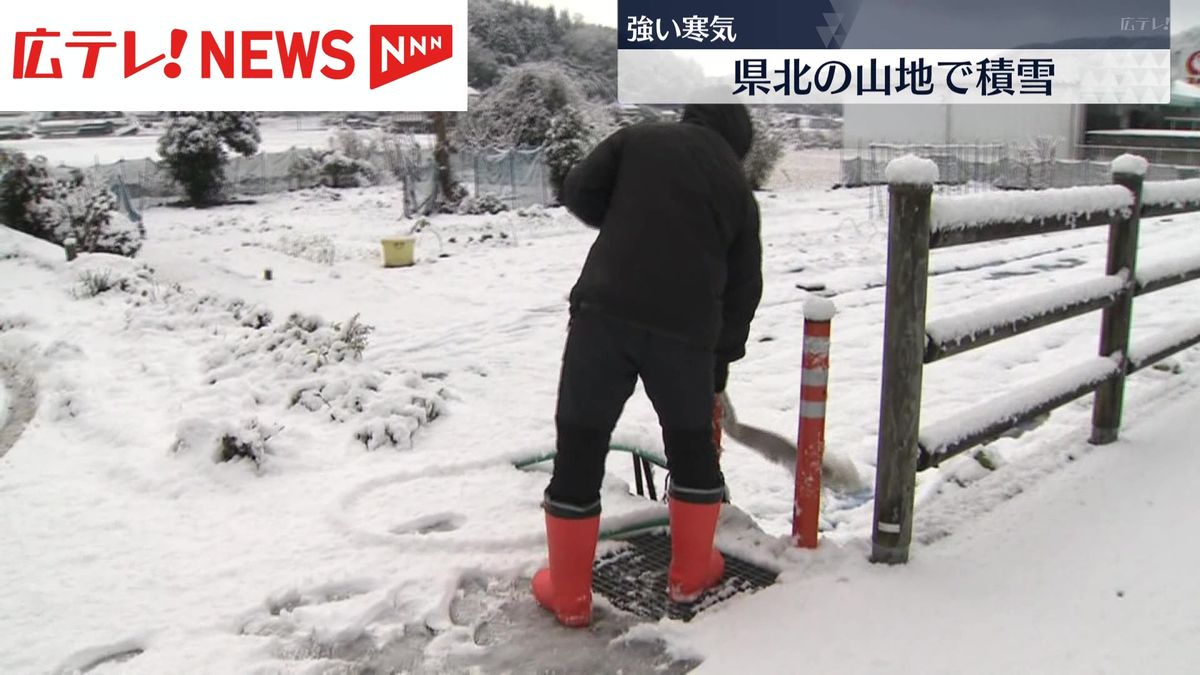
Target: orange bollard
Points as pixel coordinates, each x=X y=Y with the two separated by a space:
x=810 y=446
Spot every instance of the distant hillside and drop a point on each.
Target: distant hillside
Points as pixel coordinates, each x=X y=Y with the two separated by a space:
x=505 y=34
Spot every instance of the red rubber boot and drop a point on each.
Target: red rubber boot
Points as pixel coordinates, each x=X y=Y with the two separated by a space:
x=565 y=587
x=696 y=565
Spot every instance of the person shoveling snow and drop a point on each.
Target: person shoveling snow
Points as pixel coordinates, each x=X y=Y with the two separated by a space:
x=667 y=294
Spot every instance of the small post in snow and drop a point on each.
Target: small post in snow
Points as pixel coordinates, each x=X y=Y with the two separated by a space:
x=810 y=448
x=910 y=187
x=1128 y=171
x=71 y=246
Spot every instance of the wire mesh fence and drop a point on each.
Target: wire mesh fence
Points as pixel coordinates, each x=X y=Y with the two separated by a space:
x=985 y=167
x=517 y=177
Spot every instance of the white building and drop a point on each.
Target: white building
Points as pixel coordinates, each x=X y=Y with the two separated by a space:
x=965 y=124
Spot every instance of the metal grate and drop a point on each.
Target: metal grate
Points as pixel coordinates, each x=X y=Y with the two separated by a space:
x=634 y=579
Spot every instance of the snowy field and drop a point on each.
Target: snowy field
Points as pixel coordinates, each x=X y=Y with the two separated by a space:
x=380 y=498
x=279 y=134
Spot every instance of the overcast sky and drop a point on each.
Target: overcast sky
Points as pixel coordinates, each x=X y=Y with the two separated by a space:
x=1185 y=13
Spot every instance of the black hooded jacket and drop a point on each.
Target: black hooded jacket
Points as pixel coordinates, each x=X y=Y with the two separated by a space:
x=678 y=250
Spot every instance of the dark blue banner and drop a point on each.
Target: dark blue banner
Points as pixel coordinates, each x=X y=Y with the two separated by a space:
x=894 y=24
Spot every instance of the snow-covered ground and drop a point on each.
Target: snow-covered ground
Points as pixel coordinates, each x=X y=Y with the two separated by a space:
x=128 y=540
x=1090 y=570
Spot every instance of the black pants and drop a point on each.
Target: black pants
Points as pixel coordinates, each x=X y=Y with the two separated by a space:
x=601 y=364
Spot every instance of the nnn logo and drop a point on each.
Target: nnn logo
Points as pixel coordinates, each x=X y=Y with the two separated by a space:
x=399 y=51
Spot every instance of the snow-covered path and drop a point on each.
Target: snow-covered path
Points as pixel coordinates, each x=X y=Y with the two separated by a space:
x=1091 y=570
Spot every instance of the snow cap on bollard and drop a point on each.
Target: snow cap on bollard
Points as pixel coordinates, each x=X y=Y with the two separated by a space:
x=911 y=170
x=819 y=309
x=1130 y=164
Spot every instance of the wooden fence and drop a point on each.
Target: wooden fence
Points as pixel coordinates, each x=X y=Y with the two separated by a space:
x=918 y=223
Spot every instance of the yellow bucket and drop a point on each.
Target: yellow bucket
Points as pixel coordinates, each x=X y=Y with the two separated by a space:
x=398 y=252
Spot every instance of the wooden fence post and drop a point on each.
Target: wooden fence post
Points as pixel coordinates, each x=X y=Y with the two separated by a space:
x=903 y=364
x=1114 y=331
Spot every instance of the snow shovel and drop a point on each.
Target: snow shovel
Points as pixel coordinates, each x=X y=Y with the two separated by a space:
x=837 y=472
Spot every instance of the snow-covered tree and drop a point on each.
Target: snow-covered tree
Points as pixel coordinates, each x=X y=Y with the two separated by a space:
x=1037 y=157
x=567 y=142
x=450 y=192
x=25 y=188
x=505 y=34
x=518 y=111
x=195 y=147
x=766 y=150
x=591 y=52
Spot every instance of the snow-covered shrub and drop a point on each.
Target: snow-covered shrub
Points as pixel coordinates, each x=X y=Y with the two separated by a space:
x=394 y=432
x=318 y=248
x=88 y=212
x=485 y=204
x=99 y=273
x=249 y=440
x=451 y=200
x=355 y=145
x=536 y=212
x=339 y=170
x=342 y=398
x=93 y=283
x=222 y=440
x=301 y=344
x=304 y=169
x=250 y=316
x=355 y=335
x=8 y=323
x=257 y=367
x=392 y=424
x=388 y=409
x=26 y=187
x=764 y=153
x=194 y=147
x=567 y=142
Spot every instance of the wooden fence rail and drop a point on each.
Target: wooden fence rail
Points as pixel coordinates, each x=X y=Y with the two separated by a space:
x=919 y=223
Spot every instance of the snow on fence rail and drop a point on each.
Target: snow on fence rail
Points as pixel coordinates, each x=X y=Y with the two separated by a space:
x=989 y=420
x=993 y=209
x=957 y=334
x=1148 y=352
x=1176 y=192
x=917 y=224
x=1168 y=273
